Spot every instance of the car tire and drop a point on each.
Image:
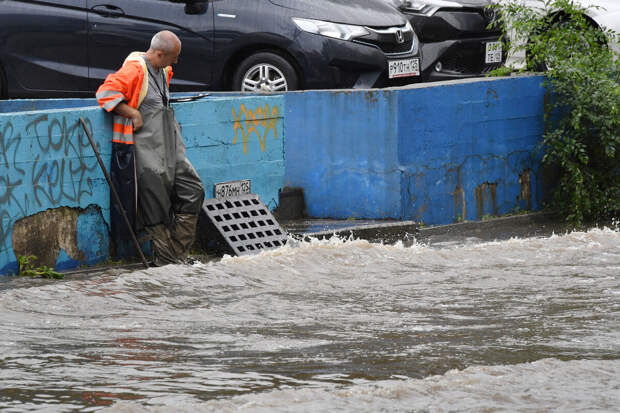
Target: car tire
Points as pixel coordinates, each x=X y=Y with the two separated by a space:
x=265 y=72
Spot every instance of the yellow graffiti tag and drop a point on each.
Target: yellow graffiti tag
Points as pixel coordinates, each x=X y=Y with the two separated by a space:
x=248 y=120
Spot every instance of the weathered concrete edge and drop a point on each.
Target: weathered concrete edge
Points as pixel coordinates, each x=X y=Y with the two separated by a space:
x=406 y=231
x=385 y=232
x=492 y=223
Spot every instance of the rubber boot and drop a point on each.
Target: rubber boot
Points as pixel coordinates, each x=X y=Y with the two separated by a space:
x=162 y=245
x=184 y=234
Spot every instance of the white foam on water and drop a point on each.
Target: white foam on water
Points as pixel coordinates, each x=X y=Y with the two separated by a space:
x=326 y=325
x=547 y=385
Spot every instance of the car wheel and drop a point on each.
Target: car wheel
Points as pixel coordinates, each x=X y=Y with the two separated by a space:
x=265 y=72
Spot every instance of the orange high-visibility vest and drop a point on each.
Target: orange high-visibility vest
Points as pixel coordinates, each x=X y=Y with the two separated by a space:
x=130 y=85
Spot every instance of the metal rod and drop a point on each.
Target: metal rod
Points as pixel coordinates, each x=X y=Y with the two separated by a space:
x=115 y=194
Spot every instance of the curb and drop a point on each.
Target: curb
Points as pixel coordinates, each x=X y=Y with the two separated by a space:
x=388 y=232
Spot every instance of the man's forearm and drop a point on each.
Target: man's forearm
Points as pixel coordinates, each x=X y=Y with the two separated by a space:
x=126 y=111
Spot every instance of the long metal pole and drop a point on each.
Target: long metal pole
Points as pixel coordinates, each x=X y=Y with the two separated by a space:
x=115 y=194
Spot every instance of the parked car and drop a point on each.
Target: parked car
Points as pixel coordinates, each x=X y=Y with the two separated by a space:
x=602 y=14
x=456 y=41
x=54 y=48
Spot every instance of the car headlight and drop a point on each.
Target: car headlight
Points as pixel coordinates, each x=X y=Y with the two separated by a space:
x=427 y=7
x=413 y=5
x=329 y=29
x=416 y=41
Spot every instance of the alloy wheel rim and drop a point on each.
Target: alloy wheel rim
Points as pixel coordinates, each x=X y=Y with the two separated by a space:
x=264 y=77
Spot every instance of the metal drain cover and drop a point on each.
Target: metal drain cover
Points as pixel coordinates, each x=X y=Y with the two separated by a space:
x=245 y=223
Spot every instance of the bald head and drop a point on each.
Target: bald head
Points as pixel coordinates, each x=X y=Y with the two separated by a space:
x=166 y=41
x=165 y=49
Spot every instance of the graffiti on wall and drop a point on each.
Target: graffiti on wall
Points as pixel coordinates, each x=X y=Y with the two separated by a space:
x=45 y=163
x=259 y=121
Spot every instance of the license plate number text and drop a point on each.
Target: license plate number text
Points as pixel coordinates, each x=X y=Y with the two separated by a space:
x=233 y=188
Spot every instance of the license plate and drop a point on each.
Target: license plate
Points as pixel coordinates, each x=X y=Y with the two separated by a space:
x=223 y=190
x=494 y=53
x=404 y=68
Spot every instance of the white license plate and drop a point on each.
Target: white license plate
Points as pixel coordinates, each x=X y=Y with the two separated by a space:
x=404 y=68
x=494 y=53
x=223 y=190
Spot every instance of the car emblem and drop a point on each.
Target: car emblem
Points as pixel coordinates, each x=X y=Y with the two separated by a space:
x=400 y=38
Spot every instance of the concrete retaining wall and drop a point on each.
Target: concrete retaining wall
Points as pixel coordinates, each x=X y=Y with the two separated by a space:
x=30 y=105
x=54 y=201
x=436 y=153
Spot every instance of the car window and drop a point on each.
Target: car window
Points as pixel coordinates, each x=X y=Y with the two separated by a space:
x=118 y=27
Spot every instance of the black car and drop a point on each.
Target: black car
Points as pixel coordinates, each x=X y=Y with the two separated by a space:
x=54 y=48
x=456 y=41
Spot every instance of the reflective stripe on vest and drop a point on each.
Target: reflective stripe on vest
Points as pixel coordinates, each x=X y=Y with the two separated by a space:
x=110 y=99
x=139 y=57
x=122 y=130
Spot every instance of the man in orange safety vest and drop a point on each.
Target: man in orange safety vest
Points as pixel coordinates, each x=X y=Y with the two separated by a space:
x=159 y=187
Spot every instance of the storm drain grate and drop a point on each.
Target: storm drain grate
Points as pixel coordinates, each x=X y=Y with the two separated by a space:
x=245 y=223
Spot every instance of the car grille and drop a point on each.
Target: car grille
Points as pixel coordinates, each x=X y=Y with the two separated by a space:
x=448 y=24
x=387 y=41
x=466 y=61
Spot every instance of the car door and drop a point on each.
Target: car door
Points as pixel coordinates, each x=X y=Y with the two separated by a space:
x=243 y=28
x=119 y=27
x=43 y=47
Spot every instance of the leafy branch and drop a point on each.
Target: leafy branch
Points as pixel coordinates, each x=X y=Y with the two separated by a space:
x=582 y=120
x=27 y=268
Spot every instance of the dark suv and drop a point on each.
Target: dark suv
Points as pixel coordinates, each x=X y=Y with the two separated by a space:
x=457 y=41
x=66 y=47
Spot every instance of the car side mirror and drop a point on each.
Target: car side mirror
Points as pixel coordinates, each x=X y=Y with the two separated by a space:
x=195 y=6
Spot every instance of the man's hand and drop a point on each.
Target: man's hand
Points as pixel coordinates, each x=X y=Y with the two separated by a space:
x=137 y=121
x=128 y=112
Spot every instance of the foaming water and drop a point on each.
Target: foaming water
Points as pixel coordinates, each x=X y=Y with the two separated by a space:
x=551 y=385
x=327 y=325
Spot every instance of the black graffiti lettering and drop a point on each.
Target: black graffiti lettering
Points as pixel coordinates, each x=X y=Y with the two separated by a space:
x=6 y=224
x=5 y=182
x=60 y=173
x=65 y=179
x=36 y=178
x=62 y=132
x=48 y=179
x=32 y=127
x=6 y=141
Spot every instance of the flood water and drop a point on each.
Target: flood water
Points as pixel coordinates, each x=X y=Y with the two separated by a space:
x=336 y=325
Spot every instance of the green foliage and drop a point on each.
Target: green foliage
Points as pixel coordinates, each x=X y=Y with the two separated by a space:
x=583 y=115
x=517 y=211
x=26 y=268
x=502 y=71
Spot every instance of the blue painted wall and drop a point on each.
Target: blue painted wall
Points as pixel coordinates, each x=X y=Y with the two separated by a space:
x=29 y=105
x=46 y=162
x=236 y=138
x=342 y=149
x=434 y=153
